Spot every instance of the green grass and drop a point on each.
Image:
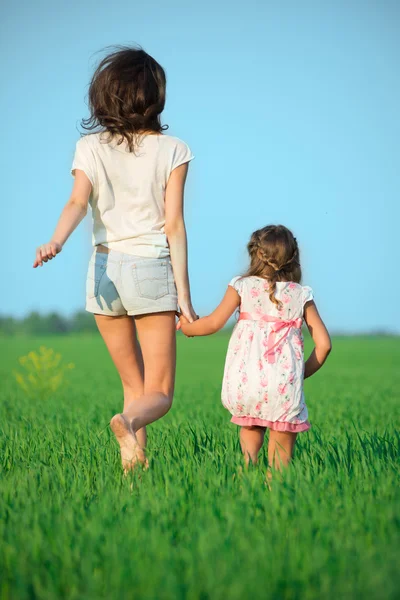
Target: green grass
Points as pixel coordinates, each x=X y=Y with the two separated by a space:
x=195 y=526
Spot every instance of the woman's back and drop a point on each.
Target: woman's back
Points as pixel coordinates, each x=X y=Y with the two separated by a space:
x=128 y=190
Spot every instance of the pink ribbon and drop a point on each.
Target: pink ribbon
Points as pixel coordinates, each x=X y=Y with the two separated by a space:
x=277 y=325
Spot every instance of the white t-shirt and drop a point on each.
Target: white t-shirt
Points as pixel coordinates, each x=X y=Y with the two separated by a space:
x=128 y=190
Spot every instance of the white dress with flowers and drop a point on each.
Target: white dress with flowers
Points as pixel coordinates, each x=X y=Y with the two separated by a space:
x=264 y=369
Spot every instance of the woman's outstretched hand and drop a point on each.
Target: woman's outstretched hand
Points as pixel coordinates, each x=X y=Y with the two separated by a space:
x=46 y=252
x=72 y=214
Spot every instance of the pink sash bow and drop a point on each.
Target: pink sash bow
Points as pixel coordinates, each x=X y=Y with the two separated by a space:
x=276 y=326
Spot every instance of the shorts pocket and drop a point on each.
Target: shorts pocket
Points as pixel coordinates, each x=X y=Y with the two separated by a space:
x=151 y=277
x=95 y=273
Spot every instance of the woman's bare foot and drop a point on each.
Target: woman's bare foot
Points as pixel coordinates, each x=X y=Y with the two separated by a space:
x=131 y=452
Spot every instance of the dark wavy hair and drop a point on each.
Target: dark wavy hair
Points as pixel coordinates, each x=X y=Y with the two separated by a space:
x=274 y=255
x=126 y=95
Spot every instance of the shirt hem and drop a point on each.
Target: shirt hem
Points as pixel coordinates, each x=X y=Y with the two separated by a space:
x=137 y=250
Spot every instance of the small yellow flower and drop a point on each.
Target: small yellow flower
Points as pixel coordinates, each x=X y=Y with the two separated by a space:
x=44 y=373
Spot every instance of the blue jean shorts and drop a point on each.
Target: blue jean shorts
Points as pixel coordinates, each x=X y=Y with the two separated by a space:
x=121 y=284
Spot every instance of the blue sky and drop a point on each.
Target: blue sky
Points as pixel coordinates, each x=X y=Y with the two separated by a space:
x=291 y=109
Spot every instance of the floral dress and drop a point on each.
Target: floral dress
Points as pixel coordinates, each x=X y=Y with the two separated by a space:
x=264 y=369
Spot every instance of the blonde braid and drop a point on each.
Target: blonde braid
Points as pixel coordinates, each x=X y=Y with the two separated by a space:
x=273 y=277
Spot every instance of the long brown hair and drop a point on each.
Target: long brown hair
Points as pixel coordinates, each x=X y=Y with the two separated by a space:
x=126 y=95
x=274 y=255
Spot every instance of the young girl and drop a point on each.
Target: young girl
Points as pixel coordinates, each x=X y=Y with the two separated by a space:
x=264 y=370
x=133 y=177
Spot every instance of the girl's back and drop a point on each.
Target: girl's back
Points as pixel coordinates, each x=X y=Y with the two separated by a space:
x=263 y=382
x=254 y=294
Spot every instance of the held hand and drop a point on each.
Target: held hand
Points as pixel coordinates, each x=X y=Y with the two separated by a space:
x=187 y=311
x=46 y=252
x=184 y=325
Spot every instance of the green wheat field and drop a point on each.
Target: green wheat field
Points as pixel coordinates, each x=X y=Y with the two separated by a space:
x=195 y=525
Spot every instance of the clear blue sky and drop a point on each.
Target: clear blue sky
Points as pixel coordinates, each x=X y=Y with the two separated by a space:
x=292 y=111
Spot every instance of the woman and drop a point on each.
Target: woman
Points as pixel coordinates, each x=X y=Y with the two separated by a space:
x=133 y=176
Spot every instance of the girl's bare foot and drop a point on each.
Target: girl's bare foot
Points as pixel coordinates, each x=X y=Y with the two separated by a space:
x=131 y=452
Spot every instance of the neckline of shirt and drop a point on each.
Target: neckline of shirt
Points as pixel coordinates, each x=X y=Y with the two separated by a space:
x=123 y=146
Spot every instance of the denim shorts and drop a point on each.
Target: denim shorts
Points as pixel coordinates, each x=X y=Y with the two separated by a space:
x=121 y=284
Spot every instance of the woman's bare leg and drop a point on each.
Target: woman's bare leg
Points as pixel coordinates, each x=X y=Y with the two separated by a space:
x=157 y=337
x=251 y=441
x=147 y=398
x=119 y=335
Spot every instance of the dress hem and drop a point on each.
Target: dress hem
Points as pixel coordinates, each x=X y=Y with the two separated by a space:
x=274 y=425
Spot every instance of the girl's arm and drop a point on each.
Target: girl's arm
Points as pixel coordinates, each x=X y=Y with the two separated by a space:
x=71 y=216
x=217 y=319
x=175 y=231
x=322 y=340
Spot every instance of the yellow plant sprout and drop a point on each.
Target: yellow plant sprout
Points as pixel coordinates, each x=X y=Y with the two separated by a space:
x=44 y=372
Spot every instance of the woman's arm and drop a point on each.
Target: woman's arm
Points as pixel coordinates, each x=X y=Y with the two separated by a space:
x=321 y=338
x=217 y=319
x=71 y=216
x=175 y=231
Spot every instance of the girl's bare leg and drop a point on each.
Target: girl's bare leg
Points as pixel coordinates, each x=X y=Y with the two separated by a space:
x=251 y=441
x=280 y=448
